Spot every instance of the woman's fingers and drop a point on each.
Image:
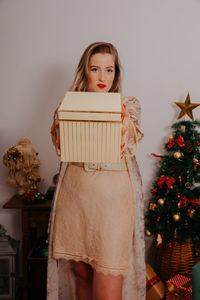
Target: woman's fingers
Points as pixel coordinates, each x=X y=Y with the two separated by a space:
x=58 y=143
x=125 y=129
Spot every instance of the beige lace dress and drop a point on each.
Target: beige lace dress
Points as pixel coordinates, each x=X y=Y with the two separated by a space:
x=94 y=219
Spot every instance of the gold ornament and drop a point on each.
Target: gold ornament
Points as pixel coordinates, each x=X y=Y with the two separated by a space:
x=147 y=232
x=177 y=155
x=176 y=217
x=186 y=107
x=161 y=201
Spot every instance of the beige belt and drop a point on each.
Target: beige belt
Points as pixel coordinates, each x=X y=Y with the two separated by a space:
x=101 y=166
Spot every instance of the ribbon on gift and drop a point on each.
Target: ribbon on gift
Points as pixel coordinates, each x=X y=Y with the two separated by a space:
x=168 y=180
x=151 y=282
x=179 y=142
x=186 y=202
x=179 y=293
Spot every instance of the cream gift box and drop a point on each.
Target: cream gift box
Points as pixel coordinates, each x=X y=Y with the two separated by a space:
x=90 y=127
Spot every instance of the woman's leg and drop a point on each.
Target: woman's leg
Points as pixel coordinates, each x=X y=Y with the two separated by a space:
x=107 y=287
x=84 y=274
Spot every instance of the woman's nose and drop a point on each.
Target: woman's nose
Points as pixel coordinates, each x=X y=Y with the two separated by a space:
x=101 y=76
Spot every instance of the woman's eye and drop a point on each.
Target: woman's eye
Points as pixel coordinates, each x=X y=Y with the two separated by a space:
x=94 y=69
x=110 y=70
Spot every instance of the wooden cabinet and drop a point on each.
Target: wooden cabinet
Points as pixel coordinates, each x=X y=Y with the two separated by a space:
x=35 y=218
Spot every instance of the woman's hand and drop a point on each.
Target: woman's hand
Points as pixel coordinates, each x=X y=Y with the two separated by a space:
x=55 y=134
x=125 y=129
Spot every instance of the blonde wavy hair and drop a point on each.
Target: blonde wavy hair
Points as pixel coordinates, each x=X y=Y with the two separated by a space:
x=80 y=83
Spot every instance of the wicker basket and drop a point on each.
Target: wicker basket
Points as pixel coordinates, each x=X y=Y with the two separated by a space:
x=175 y=258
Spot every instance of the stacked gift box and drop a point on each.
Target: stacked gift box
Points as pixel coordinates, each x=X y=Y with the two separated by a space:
x=178 y=287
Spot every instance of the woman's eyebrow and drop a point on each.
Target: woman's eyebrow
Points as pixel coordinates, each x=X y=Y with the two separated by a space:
x=93 y=66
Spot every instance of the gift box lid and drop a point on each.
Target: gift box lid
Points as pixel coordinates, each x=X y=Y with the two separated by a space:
x=90 y=106
x=179 y=280
x=180 y=285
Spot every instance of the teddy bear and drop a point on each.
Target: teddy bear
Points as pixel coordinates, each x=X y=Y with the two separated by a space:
x=24 y=164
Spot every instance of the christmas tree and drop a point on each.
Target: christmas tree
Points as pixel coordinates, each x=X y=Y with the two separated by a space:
x=174 y=210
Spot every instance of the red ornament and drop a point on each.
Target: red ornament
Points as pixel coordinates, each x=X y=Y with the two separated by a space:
x=158 y=219
x=179 y=179
x=179 y=204
x=178 y=196
x=155 y=190
x=198 y=143
x=152 y=206
x=159 y=240
x=170 y=245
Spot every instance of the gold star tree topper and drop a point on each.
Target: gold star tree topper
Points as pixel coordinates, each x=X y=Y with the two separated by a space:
x=186 y=107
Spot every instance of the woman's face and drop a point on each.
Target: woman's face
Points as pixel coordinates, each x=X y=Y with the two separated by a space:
x=101 y=72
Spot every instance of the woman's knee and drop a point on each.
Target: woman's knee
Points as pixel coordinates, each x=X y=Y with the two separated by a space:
x=83 y=273
x=107 y=286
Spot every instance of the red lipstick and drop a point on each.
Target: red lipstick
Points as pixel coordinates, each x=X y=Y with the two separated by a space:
x=101 y=85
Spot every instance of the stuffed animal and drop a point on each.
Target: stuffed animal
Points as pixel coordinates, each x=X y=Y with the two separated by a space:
x=24 y=164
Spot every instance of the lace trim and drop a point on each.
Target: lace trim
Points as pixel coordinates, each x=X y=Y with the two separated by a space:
x=94 y=264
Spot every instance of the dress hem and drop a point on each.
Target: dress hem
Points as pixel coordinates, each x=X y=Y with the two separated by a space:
x=92 y=262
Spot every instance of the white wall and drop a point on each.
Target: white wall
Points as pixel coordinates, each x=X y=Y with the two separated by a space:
x=41 y=43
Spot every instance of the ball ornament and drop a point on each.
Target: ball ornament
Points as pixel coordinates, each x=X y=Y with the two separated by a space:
x=148 y=233
x=176 y=217
x=178 y=155
x=161 y=201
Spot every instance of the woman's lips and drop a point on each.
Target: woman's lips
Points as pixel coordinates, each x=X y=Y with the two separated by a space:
x=101 y=86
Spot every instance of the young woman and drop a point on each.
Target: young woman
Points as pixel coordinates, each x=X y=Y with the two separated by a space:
x=96 y=242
